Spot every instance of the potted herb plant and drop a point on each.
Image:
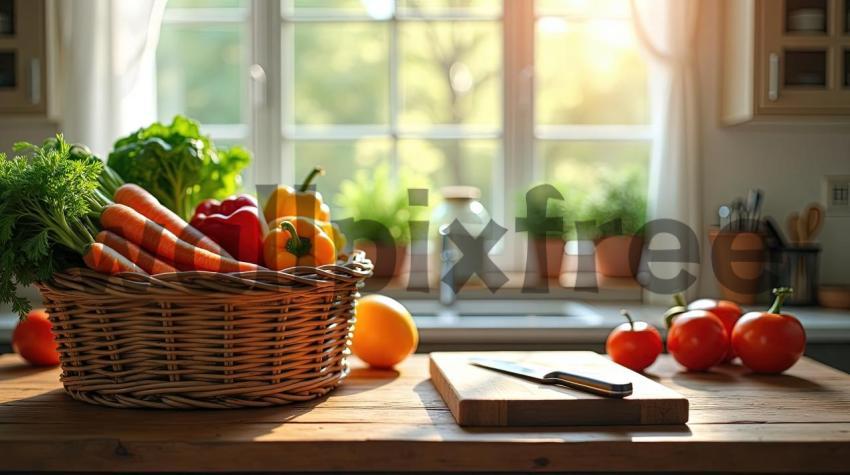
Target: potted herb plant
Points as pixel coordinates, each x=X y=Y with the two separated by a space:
x=381 y=216
x=548 y=243
x=619 y=209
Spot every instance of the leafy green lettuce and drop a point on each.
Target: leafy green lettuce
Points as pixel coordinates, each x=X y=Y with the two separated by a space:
x=178 y=165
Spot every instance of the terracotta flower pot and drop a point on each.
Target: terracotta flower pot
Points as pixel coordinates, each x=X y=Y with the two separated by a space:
x=740 y=281
x=379 y=254
x=550 y=256
x=618 y=256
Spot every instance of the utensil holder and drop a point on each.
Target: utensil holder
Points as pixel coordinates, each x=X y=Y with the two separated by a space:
x=722 y=242
x=796 y=267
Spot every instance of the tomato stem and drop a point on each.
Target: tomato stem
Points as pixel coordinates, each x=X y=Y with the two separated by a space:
x=626 y=314
x=781 y=294
x=672 y=313
x=679 y=299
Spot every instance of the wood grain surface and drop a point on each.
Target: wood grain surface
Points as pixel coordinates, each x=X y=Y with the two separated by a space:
x=396 y=421
x=482 y=397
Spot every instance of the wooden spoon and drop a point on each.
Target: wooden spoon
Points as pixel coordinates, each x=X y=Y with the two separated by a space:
x=814 y=221
x=793 y=225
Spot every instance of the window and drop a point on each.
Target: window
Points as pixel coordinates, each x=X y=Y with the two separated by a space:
x=202 y=59
x=591 y=115
x=418 y=88
x=498 y=94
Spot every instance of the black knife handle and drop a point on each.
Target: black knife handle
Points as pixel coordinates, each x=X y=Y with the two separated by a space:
x=588 y=384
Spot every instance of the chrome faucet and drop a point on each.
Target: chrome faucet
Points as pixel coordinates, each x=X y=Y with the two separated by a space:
x=448 y=259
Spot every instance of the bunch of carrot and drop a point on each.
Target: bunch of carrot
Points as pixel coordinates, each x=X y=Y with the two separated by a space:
x=141 y=235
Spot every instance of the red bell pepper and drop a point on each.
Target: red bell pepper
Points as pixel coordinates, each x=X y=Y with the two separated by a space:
x=234 y=224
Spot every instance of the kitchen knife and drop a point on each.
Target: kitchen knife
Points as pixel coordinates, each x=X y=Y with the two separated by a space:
x=753 y=206
x=544 y=375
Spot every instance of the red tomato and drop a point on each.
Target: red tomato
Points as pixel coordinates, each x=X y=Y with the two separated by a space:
x=697 y=340
x=769 y=342
x=34 y=341
x=727 y=311
x=634 y=345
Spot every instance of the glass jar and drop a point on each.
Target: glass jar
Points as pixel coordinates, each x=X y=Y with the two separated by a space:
x=459 y=203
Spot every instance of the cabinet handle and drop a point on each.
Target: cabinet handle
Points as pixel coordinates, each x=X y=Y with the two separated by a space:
x=773 y=77
x=35 y=81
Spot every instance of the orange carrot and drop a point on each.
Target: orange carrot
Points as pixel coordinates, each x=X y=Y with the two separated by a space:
x=103 y=258
x=145 y=203
x=162 y=243
x=134 y=253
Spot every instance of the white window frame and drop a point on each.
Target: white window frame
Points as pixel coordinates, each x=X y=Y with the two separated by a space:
x=271 y=139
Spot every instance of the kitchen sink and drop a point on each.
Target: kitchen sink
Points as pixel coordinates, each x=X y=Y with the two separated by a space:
x=501 y=307
x=513 y=315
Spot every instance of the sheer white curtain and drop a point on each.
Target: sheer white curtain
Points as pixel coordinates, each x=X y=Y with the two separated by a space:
x=667 y=31
x=106 y=63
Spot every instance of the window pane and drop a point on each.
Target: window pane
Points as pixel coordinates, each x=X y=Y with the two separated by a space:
x=451 y=73
x=589 y=72
x=442 y=7
x=340 y=159
x=452 y=162
x=584 y=8
x=341 y=73
x=200 y=72
x=229 y=143
x=579 y=167
x=209 y=3
x=377 y=9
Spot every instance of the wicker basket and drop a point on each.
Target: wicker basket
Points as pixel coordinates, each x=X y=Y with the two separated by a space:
x=203 y=339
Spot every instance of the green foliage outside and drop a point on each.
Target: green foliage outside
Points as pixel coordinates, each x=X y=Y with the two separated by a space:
x=372 y=195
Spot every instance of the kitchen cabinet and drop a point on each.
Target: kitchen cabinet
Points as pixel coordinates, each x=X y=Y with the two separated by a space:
x=785 y=60
x=22 y=57
x=395 y=421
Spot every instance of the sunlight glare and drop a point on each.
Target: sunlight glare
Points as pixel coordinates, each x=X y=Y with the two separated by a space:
x=616 y=33
x=554 y=25
x=461 y=77
x=379 y=9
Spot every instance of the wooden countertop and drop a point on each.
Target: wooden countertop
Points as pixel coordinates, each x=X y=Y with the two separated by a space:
x=396 y=421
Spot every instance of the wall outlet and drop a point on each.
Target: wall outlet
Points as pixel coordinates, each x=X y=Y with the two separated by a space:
x=837 y=195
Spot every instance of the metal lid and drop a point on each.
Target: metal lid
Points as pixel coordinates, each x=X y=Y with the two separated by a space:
x=460 y=192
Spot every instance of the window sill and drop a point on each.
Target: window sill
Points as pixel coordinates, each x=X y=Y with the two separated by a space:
x=562 y=288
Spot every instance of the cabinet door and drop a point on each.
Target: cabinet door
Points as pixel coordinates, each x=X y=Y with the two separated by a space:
x=22 y=57
x=800 y=57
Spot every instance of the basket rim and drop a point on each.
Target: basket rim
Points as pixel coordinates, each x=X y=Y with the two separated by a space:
x=355 y=270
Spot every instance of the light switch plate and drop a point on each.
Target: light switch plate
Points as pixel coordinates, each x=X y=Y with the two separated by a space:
x=836 y=191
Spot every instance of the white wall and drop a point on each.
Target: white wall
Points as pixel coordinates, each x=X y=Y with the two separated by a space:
x=788 y=162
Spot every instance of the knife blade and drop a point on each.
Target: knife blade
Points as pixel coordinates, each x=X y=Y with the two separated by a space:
x=545 y=375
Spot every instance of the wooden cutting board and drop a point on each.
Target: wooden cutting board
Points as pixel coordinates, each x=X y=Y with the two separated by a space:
x=482 y=397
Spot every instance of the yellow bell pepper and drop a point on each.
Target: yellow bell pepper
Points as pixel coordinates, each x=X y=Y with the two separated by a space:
x=287 y=201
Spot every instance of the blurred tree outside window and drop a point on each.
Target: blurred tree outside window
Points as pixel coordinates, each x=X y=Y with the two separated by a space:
x=421 y=86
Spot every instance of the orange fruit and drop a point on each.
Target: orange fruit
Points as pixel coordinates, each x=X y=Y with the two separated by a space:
x=384 y=334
